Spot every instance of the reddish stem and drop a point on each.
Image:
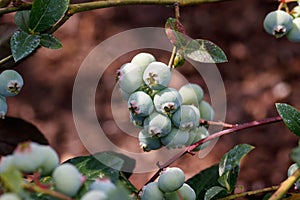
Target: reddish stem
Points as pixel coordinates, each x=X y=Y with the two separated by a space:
x=211 y=137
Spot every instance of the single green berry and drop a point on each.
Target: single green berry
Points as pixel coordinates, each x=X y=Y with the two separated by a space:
x=157 y=75
x=11 y=83
x=94 y=195
x=167 y=101
x=183 y=193
x=175 y=139
x=9 y=196
x=143 y=59
x=67 y=179
x=104 y=185
x=278 y=23
x=140 y=104
x=3 y=107
x=130 y=77
x=187 y=117
x=206 y=111
x=291 y=170
x=196 y=135
x=294 y=34
x=136 y=120
x=27 y=157
x=191 y=94
x=158 y=124
x=149 y=142
x=51 y=159
x=151 y=191
x=6 y=163
x=171 y=179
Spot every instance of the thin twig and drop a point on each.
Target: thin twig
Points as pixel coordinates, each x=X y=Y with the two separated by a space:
x=204 y=122
x=6 y=59
x=214 y=136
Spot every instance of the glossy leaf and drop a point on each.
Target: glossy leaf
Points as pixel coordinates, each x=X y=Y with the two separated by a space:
x=45 y=13
x=228 y=180
x=290 y=116
x=176 y=33
x=213 y=192
x=204 y=180
x=232 y=159
x=22 y=20
x=15 y=130
x=204 y=51
x=49 y=41
x=22 y=44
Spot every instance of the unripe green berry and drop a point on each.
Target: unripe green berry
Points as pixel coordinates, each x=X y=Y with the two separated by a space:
x=149 y=142
x=183 y=193
x=187 y=117
x=67 y=179
x=206 y=111
x=151 y=191
x=104 y=185
x=191 y=94
x=157 y=75
x=171 y=179
x=278 y=23
x=51 y=159
x=175 y=139
x=143 y=59
x=294 y=34
x=199 y=134
x=9 y=196
x=6 y=163
x=167 y=101
x=291 y=170
x=11 y=83
x=158 y=124
x=94 y=195
x=140 y=104
x=3 y=107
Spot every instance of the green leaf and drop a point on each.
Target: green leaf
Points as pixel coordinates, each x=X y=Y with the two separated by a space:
x=213 y=191
x=228 y=180
x=22 y=44
x=176 y=33
x=120 y=192
x=290 y=116
x=204 y=180
x=22 y=20
x=45 y=13
x=204 y=51
x=232 y=159
x=295 y=155
x=12 y=179
x=49 y=41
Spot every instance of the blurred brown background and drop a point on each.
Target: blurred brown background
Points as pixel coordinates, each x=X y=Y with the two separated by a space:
x=261 y=71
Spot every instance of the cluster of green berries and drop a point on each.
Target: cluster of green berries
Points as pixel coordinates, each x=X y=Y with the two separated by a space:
x=30 y=157
x=167 y=117
x=170 y=186
x=11 y=83
x=280 y=23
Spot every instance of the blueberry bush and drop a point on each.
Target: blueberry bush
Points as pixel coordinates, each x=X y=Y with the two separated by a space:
x=164 y=117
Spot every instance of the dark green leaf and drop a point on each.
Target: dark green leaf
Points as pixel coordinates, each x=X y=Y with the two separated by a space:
x=204 y=180
x=120 y=192
x=228 y=180
x=295 y=155
x=49 y=41
x=22 y=20
x=204 y=51
x=15 y=130
x=45 y=13
x=290 y=116
x=213 y=191
x=232 y=159
x=22 y=44
x=176 y=33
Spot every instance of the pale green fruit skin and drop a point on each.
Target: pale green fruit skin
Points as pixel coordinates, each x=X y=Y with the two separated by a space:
x=187 y=117
x=158 y=124
x=102 y=185
x=137 y=121
x=6 y=163
x=9 y=196
x=148 y=142
x=206 y=111
x=67 y=179
x=187 y=193
x=130 y=77
x=294 y=34
x=151 y=191
x=157 y=75
x=171 y=179
x=11 y=83
x=296 y=11
x=143 y=59
x=291 y=170
x=278 y=20
x=140 y=104
x=167 y=101
x=3 y=107
x=199 y=134
x=192 y=94
x=175 y=139
x=27 y=157
x=94 y=195
x=51 y=160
